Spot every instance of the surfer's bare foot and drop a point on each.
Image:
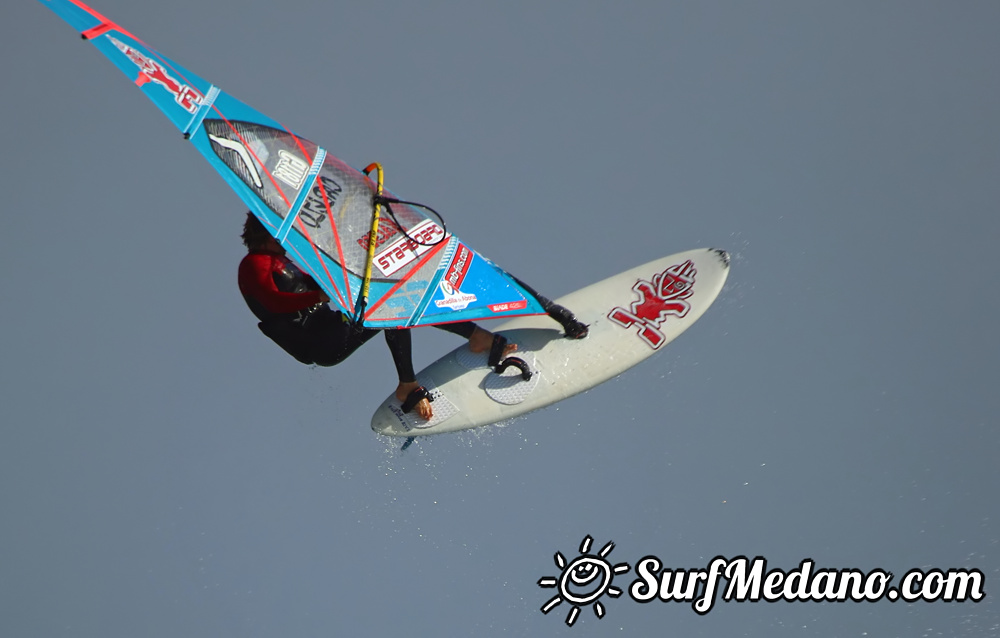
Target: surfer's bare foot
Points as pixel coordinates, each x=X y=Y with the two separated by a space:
x=406 y=390
x=482 y=341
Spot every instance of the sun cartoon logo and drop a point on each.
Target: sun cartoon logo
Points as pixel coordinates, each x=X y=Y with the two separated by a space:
x=583 y=581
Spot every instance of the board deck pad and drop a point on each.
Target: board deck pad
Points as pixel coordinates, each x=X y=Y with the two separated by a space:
x=443 y=408
x=508 y=388
x=631 y=316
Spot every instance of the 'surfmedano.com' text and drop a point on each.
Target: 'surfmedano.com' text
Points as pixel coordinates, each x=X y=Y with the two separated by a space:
x=743 y=580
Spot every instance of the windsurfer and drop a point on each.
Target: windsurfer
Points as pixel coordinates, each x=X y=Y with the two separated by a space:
x=293 y=312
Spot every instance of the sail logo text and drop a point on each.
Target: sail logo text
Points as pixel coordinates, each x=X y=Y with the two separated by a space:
x=509 y=306
x=290 y=169
x=152 y=71
x=454 y=299
x=405 y=250
x=387 y=229
x=322 y=198
x=459 y=266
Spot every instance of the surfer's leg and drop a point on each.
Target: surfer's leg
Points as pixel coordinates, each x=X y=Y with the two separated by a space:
x=331 y=339
x=401 y=346
x=480 y=339
x=462 y=328
x=574 y=328
x=483 y=340
x=291 y=339
x=334 y=340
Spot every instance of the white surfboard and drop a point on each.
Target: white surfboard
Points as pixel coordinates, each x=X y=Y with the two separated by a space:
x=632 y=316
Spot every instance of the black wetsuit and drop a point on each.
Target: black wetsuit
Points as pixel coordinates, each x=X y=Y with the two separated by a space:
x=288 y=304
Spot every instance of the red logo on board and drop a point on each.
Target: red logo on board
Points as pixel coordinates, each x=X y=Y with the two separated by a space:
x=664 y=296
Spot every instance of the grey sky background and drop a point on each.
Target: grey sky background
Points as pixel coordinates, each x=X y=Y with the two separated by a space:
x=167 y=471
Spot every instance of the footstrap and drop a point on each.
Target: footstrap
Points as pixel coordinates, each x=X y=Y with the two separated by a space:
x=499 y=364
x=496 y=350
x=518 y=363
x=414 y=397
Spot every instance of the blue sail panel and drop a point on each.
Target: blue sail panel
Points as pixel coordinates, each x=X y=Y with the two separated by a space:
x=77 y=15
x=175 y=90
x=318 y=207
x=473 y=287
x=464 y=287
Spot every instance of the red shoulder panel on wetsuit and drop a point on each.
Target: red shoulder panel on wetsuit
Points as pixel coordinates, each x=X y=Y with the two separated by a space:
x=257 y=281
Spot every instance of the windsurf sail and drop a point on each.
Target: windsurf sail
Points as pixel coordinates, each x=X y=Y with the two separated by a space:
x=318 y=207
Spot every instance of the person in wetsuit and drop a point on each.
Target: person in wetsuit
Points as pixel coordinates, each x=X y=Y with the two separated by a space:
x=293 y=312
